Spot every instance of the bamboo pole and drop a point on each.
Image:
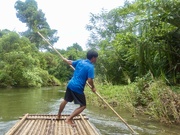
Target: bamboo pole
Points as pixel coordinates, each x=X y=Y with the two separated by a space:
x=53 y=48
x=85 y=126
x=15 y=128
x=133 y=132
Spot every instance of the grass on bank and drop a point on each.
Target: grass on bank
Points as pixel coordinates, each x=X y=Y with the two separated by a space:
x=153 y=98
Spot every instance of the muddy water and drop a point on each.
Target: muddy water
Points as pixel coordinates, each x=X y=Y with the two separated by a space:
x=16 y=102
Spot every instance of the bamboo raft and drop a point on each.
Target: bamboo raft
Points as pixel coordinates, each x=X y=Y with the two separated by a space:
x=33 y=124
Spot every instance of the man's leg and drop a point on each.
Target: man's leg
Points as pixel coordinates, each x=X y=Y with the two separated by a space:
x=76 y=112
x=61 y=108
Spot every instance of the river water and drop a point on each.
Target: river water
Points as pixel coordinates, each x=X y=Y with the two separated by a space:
x=14 y=103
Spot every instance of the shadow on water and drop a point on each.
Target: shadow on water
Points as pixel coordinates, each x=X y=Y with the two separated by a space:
x=14 y=103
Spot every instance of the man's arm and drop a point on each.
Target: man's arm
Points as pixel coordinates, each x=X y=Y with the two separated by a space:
x=67 y=61
x=91 y=82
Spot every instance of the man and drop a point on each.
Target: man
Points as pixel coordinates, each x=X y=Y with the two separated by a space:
x=84 y=71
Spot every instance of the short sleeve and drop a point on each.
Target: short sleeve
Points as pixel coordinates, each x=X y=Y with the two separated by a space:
x=74 y=63
x=91 y=73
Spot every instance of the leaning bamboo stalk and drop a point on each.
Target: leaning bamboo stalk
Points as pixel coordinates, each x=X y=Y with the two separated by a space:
x=133 y=132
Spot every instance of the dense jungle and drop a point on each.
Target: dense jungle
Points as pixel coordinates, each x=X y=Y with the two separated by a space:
x=138 y=67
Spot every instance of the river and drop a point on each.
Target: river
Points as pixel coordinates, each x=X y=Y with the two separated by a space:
x=16 y=102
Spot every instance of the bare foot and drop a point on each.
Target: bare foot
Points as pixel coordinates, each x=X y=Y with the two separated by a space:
x=70 y=122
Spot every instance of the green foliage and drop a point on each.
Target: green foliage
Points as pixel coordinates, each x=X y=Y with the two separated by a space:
x=165 y=103
x=142 y=95
x=138 y=41
x=55 y=66
x=3 y=32
x=63 y=71
x=75 y=46
x=147 y=96
x=51 y=62
x=35 y=20
x=159 y=100
x=23 y=65
x=20 y=63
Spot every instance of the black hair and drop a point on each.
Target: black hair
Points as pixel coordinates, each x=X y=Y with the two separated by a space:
x=91 y=54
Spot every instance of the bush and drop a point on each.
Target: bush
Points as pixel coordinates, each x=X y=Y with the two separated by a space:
x=147 y=96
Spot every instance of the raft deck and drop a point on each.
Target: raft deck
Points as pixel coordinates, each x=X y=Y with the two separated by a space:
x=42 y=124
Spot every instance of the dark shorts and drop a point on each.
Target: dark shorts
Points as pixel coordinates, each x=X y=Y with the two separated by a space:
x=76 y=97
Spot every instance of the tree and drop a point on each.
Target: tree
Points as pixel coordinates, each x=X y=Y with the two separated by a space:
x=3 y=32
x=19 y=63
x=75 y=46
x=143 y=36
x=35 y=20
x=73 y=51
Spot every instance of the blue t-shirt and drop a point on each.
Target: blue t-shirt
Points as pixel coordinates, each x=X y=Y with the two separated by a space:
x=84 y=69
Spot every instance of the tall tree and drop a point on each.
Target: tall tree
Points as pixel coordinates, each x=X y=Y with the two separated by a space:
x=35 y=20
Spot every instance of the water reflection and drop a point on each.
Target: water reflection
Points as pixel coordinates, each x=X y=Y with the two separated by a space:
x=16 y=102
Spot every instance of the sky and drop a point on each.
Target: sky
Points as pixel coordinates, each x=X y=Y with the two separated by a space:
x=68 y=17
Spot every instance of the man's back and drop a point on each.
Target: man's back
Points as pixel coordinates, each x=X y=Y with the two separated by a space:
x=84 y=69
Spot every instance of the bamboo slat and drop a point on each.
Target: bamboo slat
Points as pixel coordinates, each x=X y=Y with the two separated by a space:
x=16 y=126
x=42 y=124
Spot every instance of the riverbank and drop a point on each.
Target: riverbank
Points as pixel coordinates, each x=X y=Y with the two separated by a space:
x=154 y=99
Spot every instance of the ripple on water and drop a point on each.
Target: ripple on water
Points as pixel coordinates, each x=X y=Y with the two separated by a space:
x=5 y=126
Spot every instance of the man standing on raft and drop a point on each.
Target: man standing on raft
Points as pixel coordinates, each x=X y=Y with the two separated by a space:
x=84 y=71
